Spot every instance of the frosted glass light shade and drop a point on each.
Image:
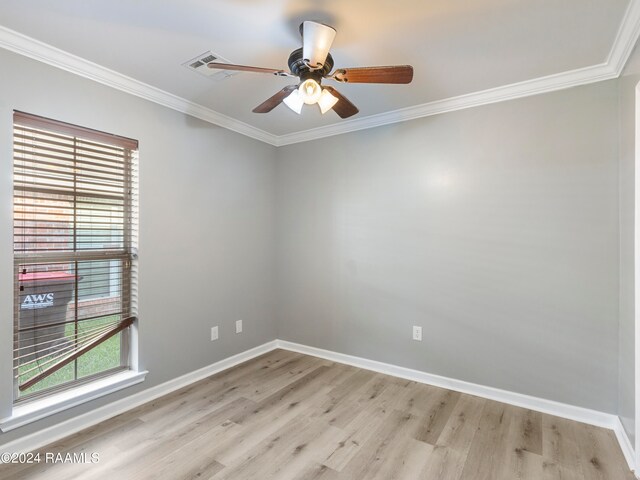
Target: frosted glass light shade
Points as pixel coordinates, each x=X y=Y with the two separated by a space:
x=294 y=101
x=316 y=42
x=310 y=91
x=327 y=101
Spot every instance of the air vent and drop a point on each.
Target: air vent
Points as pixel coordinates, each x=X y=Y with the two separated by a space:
x=199 y=64
x=208 y=58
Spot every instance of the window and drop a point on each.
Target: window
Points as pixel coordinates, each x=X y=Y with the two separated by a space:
x=75 y=244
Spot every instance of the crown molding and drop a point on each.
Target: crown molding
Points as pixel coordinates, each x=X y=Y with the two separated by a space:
x=551 y=83
x=623 y=45
x=45 y=53
x=626 y=38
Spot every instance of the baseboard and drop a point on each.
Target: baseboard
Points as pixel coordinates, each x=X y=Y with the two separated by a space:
x=63 y=429
x=625 y=443
x=551 y=407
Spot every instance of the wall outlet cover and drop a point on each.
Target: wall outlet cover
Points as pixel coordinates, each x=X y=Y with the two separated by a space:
x=214 y=333
x=417 y=333
x=238 y=326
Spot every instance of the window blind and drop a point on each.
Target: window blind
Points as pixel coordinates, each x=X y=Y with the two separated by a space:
x=75 y=250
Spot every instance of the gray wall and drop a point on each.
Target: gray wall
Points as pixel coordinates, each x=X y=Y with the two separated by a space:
x=626 y=380
x=494 y=228
x=206 y=225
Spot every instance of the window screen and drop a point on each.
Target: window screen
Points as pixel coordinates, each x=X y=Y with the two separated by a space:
x=75 y=240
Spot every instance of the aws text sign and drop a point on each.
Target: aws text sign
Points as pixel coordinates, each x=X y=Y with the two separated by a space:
x=34 y=301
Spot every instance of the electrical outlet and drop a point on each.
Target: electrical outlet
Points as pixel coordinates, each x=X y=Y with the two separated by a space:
x=214 y=333
x=238 y=326
x=417 y=333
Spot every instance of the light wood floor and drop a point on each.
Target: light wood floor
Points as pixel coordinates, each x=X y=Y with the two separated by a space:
x=291 y=416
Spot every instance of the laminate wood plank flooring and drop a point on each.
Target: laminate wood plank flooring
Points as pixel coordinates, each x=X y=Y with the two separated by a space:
x=288 y=416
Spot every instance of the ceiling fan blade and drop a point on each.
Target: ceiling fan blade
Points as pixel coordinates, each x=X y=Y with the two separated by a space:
x=344 y=108
x=392 y=74
x=317 y=39
x=246 y=68
x=275 y=100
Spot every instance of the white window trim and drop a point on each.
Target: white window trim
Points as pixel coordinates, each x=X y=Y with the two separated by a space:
x=37 y=409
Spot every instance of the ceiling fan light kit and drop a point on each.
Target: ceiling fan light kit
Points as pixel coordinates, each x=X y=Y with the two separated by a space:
x=311 y=64
x=310 y=92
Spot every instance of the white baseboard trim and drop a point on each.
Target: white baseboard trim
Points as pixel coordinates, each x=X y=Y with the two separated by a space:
x=551 y=407
x=63 y=429
x=625 y=443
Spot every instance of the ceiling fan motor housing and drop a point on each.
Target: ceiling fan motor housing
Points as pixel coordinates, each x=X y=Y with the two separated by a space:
x=298 y=67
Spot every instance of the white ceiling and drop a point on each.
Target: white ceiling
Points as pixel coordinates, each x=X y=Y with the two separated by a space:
x=457 y=47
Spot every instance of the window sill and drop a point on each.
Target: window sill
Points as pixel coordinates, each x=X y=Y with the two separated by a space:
x=37 y=409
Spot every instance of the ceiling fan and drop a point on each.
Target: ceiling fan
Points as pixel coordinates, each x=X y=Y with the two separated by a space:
x=311 y=64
